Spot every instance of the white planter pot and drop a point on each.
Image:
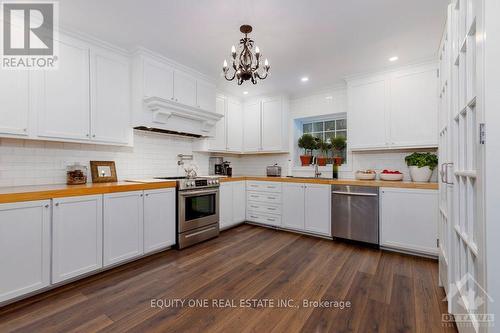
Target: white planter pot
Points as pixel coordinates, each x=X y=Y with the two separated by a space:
x=420 y=174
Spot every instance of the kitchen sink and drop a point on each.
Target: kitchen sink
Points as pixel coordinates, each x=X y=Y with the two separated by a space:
x=326 y=178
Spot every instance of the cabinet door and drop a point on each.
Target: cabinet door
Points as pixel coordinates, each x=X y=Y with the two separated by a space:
x=24 y=248
x=64 y=105
x=239 y=202
x=408 y=219
x=76 y=236
x=226 y=205
x=184 y=88
x=205 y=96
x=234 y=116
x=110 y=112
x=317 y=209
x=272 y=125
x=218 y=142
x=252 y=128
x=413 y=106
x=159 y=219
x=293 y=206
x=367 y=114
x=15 y=99
x=123 y=226
x=158 y=80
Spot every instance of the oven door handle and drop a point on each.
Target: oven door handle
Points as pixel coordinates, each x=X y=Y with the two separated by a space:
x=195 y=193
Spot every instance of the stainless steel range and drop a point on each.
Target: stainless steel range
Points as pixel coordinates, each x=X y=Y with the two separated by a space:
x=197 y=209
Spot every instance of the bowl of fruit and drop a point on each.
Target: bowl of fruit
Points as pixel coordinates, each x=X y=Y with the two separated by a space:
x=365 y=175
x=391 y=175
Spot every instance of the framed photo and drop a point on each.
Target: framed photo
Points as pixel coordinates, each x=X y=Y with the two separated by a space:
x=103 y=171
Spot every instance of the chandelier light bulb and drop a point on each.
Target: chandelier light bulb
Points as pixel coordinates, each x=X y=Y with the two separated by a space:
x=266 y=63
x=233 y=50
x=225 y=64
x=257 y=50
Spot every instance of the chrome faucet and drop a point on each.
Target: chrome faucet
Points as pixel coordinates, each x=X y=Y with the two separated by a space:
x=316 y=169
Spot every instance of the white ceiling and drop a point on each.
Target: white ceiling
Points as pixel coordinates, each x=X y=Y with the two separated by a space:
x=322 y=39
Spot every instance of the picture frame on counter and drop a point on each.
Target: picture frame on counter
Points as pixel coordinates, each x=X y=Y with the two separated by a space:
x=103 y=171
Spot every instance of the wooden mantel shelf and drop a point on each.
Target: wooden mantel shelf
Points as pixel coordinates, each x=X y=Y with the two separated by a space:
x=43 y=192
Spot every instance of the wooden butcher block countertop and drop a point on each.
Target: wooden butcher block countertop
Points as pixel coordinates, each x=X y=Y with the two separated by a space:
x=375 y=183
x=43 y=192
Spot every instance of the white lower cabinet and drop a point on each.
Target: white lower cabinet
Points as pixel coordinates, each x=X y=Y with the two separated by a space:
x=264 y=202
x=123 y=226
x=24 y=248
x=159 y=219
x=306 y=207
x=408 y=220
x=232 y=203
x=76 y=236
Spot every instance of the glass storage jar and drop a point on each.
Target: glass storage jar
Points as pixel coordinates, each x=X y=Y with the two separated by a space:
x=76 y=174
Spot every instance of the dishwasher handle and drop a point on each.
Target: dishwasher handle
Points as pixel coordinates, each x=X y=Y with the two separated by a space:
x=359 y=194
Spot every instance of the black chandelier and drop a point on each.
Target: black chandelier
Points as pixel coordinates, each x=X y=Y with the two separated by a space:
x=244 y=65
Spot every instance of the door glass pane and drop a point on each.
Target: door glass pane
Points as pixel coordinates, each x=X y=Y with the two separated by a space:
x=329 y=136
x=330 y=125
x=318 y=127
x=342 y=134
x=341 y=124
x=319 y=135
x=200 y=206
x=307 y=128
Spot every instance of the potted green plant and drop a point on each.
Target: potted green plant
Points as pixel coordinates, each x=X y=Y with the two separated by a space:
x=324 y=147
x=338 y=146
x=308 y=143
x=421 y=166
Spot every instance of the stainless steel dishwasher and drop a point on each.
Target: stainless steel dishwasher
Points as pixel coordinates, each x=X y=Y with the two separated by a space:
x=355 y=213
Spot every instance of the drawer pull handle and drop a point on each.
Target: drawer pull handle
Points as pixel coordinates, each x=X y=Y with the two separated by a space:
x=271 y=220
x=254 y=217
x=254 y=206
x=271 y=198
x=254 y=196
x=269 y=208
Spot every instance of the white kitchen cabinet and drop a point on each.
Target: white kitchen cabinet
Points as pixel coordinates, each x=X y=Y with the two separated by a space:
x=158 y=79
x=367 y=113
x=123 y=226
x=159 y=219
x=63 y=105
x=234 y=116
x=394 y=110
x=408 y=220
x=15 y=99
x=218 y=141
x=184 y=88
x=76 y=236
x=318 y=204
x=293 y=206
x=24 y=248
x=272 y=124
x=239 y=201
x=205 y=96
x=232 y=203
x=413 y=108
x=110 y=97
x=252 y=127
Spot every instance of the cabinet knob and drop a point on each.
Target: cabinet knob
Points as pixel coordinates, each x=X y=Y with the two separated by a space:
x=87 y=135
x=46 y=206
x=25 y=129
x=141 y=195
x=147 y=194
x=93 y=135
x=57 y=204
x=171 y=98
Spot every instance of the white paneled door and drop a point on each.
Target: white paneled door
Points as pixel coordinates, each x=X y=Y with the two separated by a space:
x=15 y=99
x=234 y=116
x=159 y=219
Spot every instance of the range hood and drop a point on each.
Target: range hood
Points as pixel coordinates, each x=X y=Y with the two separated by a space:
x=169 y=117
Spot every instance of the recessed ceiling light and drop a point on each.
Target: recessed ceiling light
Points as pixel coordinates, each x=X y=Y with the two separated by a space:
x=392 y=59
x=304 y=79
x=245 y=93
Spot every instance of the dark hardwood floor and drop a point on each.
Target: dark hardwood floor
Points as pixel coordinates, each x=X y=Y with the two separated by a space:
x=388 y=292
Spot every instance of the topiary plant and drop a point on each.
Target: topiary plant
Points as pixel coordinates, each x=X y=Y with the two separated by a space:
x=308 y=143
x=422 y=160
x=338 y=144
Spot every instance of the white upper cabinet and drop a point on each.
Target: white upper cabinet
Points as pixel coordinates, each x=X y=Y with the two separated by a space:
x=123 y=226
x=234 y=116
x=15 y=98
x=184 y=88
x=367 y=115
x=76 y=236
x=414 y=108
x=205 y=96
x=218 y=141
x=159 y=219
x=158 y=79
x=272 y=124
x=394 y=110
x=252 y=127
x=110 y=111
x=24 y=248
x=64 y=103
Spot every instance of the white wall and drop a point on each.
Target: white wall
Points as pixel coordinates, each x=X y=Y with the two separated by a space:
x=28 y=162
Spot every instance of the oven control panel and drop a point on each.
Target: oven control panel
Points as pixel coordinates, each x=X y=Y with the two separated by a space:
x=186 y=184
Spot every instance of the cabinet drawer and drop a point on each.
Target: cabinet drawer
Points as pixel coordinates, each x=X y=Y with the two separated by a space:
x=274 y=220
x=272 y=198
x=264 y=186
x=263 y=208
